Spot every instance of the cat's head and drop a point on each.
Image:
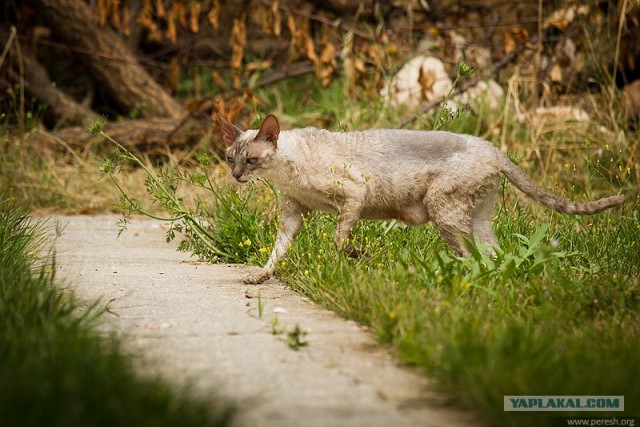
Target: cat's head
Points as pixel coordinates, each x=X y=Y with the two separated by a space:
x=247 y=152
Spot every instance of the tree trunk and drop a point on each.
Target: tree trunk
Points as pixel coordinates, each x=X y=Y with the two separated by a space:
x=111 y=62
x=60 y=107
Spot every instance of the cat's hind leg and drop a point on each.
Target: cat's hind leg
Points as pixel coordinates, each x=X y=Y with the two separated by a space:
x=482 y=221
x=452 y=217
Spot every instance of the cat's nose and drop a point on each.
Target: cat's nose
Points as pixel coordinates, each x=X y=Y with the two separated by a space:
x=237 y=172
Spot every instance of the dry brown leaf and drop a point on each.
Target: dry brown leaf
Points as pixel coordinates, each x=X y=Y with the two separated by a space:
x=102 y=11
x=514 y=39
x=360 y=66
x=172 y=30
x=509 y=43
x=155 y=34
x=236 y=106
x=259 y=65
x=218 y=107
x=217 y=78
x=114 y=13
x=310 y=49
x=194 y=16
x=348 y=65
x=232 y=111
x=238 y=42
x=181 y=13
x=145 y=20
x=560 y=18
x=301 y=42
x=268 y=18
x=556 y=73
x=250 y=97
x=631 y=100
x=236 y=81
x=41 y=32
x=173 y=74
x=260 y=16
x=214 y=14
x=326 y=64
x=126 y=22
x=376 y=55
x=426 y=79
x=160 y=10
x=277 y=19
x=356 y=72
x=294 y=53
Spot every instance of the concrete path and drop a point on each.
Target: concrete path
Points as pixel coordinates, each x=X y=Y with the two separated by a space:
x=197 y=324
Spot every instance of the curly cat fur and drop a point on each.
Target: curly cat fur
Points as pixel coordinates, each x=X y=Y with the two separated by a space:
x=412 y=176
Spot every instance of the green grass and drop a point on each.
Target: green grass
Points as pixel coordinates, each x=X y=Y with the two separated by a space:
x=557 y=313
x=542 y=323
x=55 y=370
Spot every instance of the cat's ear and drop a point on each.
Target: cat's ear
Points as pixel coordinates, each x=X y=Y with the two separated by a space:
x=229 y=132
x=269 y=131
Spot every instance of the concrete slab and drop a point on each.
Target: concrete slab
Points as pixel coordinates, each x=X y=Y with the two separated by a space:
x=196 y=323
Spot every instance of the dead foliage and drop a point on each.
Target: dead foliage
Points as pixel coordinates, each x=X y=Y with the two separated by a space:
x=255 y=42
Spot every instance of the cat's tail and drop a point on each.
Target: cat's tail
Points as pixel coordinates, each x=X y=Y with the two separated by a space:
x=539 y=194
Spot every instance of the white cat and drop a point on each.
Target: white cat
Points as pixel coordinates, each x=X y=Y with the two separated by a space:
x=412 y=176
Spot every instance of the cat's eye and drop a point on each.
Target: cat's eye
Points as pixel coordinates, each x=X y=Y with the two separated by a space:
x=230 y=160
x=252 y=160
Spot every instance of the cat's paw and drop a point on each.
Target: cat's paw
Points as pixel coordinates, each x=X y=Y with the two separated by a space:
x=257 y=278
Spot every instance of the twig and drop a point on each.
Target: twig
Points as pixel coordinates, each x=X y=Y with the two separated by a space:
x=7 y=45
x=538 y=59
x=108 y=309
x=623 y=16
x=91 y=52
x=21 y=113
x=60 y=141
x=297 y=69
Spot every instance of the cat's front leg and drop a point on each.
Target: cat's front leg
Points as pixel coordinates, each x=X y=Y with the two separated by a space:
x=290 y=222
x=348 y=216
x=259 y=277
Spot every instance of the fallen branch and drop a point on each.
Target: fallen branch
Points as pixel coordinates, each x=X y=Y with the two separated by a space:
x=153 y=137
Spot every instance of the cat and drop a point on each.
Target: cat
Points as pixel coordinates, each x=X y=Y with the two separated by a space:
x=412 y=176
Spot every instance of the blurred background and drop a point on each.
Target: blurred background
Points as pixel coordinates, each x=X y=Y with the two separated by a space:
x=543 y=79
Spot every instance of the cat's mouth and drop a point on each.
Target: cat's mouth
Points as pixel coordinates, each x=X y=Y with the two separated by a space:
x=243 y=179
